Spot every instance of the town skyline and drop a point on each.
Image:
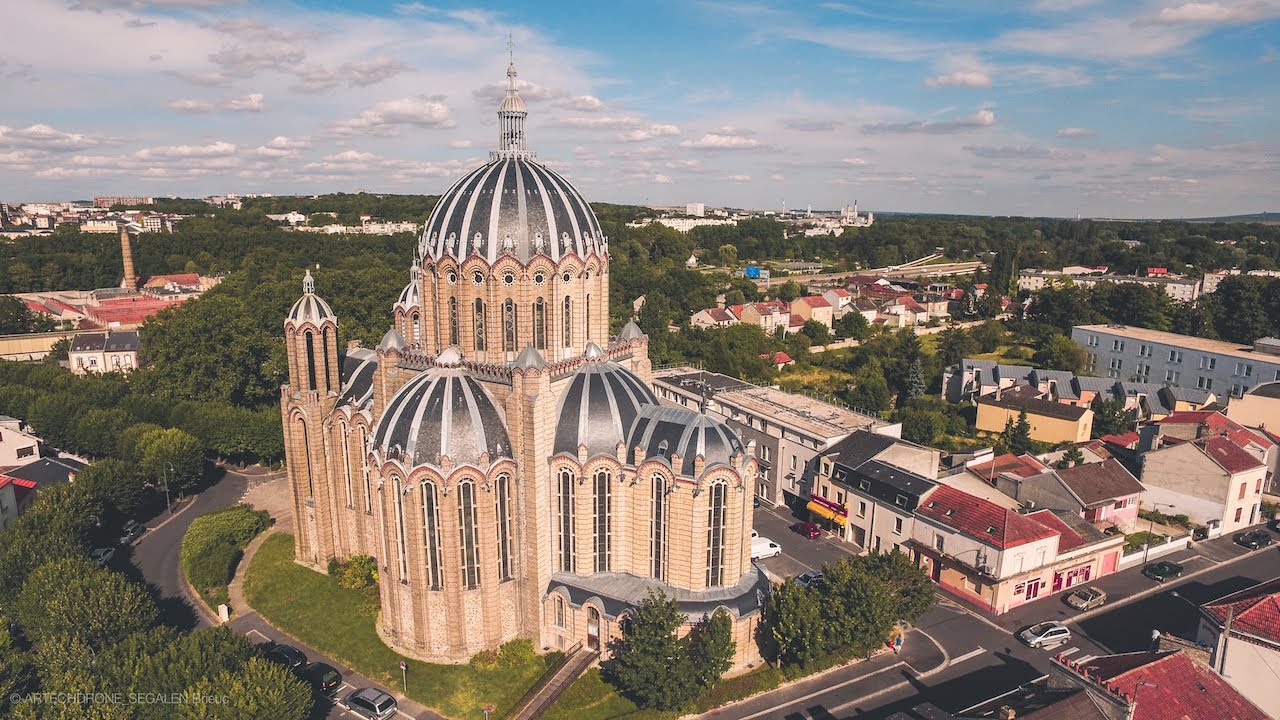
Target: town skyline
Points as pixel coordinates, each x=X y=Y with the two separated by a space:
x=1064 y=108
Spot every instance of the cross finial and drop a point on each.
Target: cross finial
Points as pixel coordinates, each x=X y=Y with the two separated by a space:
x=511 y=47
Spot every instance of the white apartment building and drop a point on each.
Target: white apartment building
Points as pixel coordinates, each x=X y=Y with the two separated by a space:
x=1180 y=289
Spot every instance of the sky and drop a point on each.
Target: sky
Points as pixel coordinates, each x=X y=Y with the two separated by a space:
x=1141 y=108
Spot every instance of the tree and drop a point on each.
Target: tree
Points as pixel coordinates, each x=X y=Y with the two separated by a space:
x=989 y=336
x=870 y=389
x=173 y=455
x=1071 y=458
x=852 y=325
x=914 y=386
x=260 y=689
x=650 y=664
x=788 y=291
x=60 y=524
x=1110 y=417
x=115 y=484
x=711 y=647
x=1060 y=352
x=1017 y=436
x=921 y=425
x=97 y=432
x=74 y=598
x=728 y=255
x=817 y=332
x=17 y=672
x=795 y=624
x=857 y=608
x=17 y=319
x=954 y=345
x=910 y=586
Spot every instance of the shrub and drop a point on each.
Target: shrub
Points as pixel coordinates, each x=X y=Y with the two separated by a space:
x=359 y=572
x=213 y=544
x=485 y=660
x=516 y=653
x=213 y=569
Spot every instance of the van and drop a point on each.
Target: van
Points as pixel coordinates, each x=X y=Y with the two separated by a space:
x=763 y=547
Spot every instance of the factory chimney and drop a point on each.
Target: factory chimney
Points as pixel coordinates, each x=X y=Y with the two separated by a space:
x=126 y=251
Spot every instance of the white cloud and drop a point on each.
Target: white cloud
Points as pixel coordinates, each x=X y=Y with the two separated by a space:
x=215 y=149
x=649 y=132
x=460 y=144
x=602 y=122
x=364 y=73
x=581 y=103
x=47 y=138
x=385 y=118
x=253 y=102
x=810 y=125
x=1076 y=132
x=737 y=178
x=721 y=141
x=980 y=119
x=1216 y=12
x=282 y=147
x=855 y=161
x=777 y=177
x=960 y=78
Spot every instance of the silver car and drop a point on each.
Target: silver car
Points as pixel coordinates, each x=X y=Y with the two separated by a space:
x=1086 y=598
x=1045 y=635
x=371 y=703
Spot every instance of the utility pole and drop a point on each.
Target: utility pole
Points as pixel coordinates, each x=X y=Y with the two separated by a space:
x=1226 y=635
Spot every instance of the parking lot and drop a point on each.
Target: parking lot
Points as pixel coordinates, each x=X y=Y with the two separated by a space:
x=799 y=553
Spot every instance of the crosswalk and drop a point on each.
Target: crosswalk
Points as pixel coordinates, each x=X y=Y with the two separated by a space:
x=1072 y=651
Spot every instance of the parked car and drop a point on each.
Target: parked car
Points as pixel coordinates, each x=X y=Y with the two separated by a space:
x=1045 y=635
x=288 y=656
x=807 y=529
x=323 y=677
x=1253 y=539
x=370 y=703
x=763 y=547
x=1274 y=525
x=1162 y=570
x=102 y=556
x=809 y=579
x=130 y=532
x=1086 y=598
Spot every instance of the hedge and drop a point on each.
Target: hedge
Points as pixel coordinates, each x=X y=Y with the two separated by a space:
x=212 y=547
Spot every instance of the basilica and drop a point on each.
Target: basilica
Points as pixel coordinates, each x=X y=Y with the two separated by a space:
x=499 y=453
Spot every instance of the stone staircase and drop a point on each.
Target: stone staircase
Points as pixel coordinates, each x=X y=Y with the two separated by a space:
x=555 y=681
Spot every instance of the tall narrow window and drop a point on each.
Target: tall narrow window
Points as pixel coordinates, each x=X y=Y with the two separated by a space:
x=368 y=486
x=560 y=613
x=467 y=535
x=601 y=520
x=565 y=548
x=417 y=329
x=567 y=322
x=509 y=326
x=540 y=324
x=431 y=534
x=325 y=340
x=715 y=536
x=453 y=321
x=311 y=361
x=502 y=513
x=346 y=460
x=404 y=559
x=586 y=316
x=477 y=324
x=658 y=528
x=306 y=452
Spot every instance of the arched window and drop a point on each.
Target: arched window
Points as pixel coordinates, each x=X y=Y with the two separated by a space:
x=417 y=329
x=431 y=534
x=600 y=521
x=467 y=535
x=509 y=326
x=311 y=360
x=567 y=322
x=306 y=452
x=540 y=324
x=325 y=340
x=586 y=316
x=368 y=486
x=346 y=460
x=560 y=612
x=565 y=529
x=404 y=557
x=502 y=513
x=453 y=321
x=715 y=536
x=658 y=527
x=477 y=324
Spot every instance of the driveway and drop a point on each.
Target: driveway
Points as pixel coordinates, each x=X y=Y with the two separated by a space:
x=799 y=553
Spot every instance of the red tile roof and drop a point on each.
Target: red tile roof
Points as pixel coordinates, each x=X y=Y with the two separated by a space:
x=1127 y=439
x=796 y=321
x=720 y=315
x=982 y=519
x=1228 y=455
x=1068 y=539
x=1255 y=610
x=1170 y=686
x=1219 y=424
x=841 y=292
x=1024 y=466
x=778 y=358
x=191 y=279
x=815 y=301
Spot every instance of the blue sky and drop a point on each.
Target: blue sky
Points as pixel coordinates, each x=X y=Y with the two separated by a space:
x=1147 y=108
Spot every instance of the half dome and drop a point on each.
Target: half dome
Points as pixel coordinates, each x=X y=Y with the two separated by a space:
x=662 y=431
x=598 y=408
x=442 y=413
x=310 y=308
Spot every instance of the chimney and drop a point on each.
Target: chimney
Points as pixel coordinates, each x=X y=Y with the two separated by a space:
x=126 y=251
x=1006 y=713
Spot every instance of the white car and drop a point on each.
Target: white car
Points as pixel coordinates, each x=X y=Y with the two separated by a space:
x=102 y=556
x=1045 y=635
x=763 y=547
x=809 y=579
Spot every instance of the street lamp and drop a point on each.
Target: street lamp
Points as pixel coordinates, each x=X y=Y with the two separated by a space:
x=1151 y=530
x=169 y=474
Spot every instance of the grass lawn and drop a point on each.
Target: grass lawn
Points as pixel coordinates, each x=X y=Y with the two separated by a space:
x=591 y=698
x=340 y=622
x=1133 y=542
x=1010 y=355
x=813 y=378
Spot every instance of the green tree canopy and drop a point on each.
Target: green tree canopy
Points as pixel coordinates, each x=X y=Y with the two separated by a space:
x=74 y=598
x=650 y=664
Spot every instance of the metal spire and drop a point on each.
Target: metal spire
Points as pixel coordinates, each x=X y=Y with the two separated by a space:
x=511 y=115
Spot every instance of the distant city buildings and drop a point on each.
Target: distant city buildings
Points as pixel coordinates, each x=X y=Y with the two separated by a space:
x=1179 y=288
x=110 y=200
x=103 y=352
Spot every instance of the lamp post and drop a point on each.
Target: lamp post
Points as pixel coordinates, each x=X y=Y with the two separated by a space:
x=170 y=472
x=1151 y=530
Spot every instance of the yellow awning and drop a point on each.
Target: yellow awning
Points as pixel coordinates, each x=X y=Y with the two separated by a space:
x=840 y=519
x=818 y=508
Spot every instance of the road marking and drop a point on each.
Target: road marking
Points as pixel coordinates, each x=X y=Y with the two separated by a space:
x=265 y=639
x=823 y=691
x=1085 y=659
x=969 y=655
x=1069 y=651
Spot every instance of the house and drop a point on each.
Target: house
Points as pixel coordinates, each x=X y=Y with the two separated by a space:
x=868 y=501
x=713 y=317
x=769 y=315
x=977 y=475
x=1203 y=423
x=1243 y=630
x=997 y=558
x=1104 y=494
x=778 y=359
x=906 y=307
x=18 y=486
x=1211 y=479
x=867 y=307
x=1051 y=422
x=840 y=300
x=17 y=447
x=1258 y=408
x=814 y=307
x=101 y=352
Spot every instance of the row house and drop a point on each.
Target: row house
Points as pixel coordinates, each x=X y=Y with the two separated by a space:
x=1210 y=479
x=1104 y=494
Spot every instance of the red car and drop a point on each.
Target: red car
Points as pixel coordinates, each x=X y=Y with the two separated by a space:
x=807 y=529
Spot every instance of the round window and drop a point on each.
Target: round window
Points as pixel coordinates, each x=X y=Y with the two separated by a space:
x=477 y=277
x=509 y=279
x=566 y=277
x=451 y=276
x=539 y=278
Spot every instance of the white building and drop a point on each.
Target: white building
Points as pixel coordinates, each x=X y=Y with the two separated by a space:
x=684 y=225
x=695 y=209
x=1243 y=630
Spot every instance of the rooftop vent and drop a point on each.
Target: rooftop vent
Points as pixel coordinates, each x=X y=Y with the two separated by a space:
x=950 y=512
x=1267 y=345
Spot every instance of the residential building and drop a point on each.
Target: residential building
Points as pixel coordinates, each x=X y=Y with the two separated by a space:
x=1243 y=630
x=110 y=200
x=1051 y=422
x=1211 y=480
x=1205 y=423
x=814 y=307
x=685 y=224
x=769 y=315
x=18 y=486
x=101 y=352
x=1180 y=289
x=977 y=476
x=1258 y=408
x=1104 y=494
x=1224 y=368
x=713 y=318
x=840 y=300
x=788 y=429
x=997 y=558
x=695 y=209
x=17 y=447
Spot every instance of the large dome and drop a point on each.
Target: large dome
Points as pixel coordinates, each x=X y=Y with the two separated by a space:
x=663 y=431
x=599 y=406
x=514 y=204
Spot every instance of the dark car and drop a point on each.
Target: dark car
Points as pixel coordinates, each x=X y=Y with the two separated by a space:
x=1274 y=524
x=1162 y=570
x=323 y=677
x=130 y=532
x=370 y=703
x=807 y=529
x=288 y=656
x=1253 y=539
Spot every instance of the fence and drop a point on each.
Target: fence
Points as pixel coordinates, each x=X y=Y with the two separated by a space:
x=1141 y=555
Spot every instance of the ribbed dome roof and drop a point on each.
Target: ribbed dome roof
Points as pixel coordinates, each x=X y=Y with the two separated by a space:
x=409 y=296
x=309 y=307
x=601 y=402
x=443 y=412
x=664 y=431
x=512 y=204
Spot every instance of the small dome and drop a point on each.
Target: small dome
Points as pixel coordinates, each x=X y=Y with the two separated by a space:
x=310 y=308
x=663 y=431
x=598 y=407
x=449 y=357
x=442 y=412
x=594 y=352
x=529 y=359
x=393 y=340
x=631 y=331
x=409 y=296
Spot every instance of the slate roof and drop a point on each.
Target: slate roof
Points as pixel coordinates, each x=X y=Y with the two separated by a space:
x=887 y=482
x=661 y=432
x=1173 y=687
x=859 y=447
x=45 y=471
x=1256 y=610
x=1018 y=399
x=981 y=519
x=357 y=366
x=1267 y=390
x=1100 y=482
x=122 y=341
x=1228 y=455
x=87 y=342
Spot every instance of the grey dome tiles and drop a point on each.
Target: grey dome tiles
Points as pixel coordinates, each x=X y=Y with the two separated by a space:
x=443 y=412
x=598 y=408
